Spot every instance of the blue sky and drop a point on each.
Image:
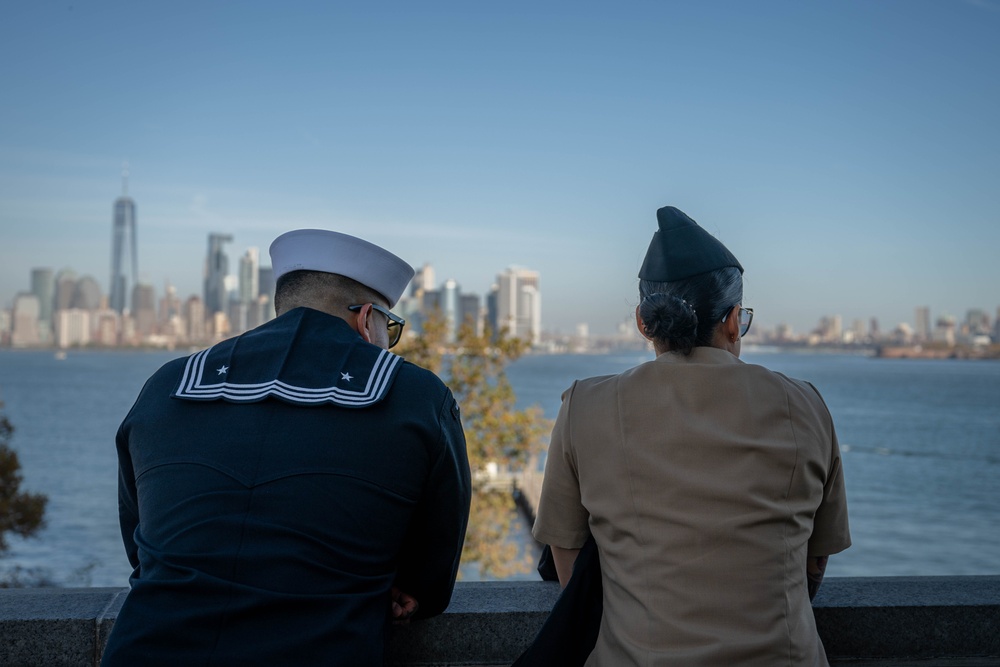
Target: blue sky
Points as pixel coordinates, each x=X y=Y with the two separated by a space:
x=848 y=153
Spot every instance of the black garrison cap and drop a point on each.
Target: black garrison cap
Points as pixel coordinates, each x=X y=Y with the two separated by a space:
x=681 y=249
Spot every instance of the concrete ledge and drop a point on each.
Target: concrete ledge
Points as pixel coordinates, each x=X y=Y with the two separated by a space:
x=898 y=621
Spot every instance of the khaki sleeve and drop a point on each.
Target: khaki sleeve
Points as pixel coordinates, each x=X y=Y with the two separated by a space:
x=561 y=519
x=831 y=532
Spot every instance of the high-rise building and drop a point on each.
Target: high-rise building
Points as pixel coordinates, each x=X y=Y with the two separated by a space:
x=922 y=328
x=519 y=304
x=194 y=313
x=216 y=270
x=123 y=230
x=144 y=309
x=87 y=294
x=249 y=276
x=451 y=297
x=265 y=282
x=24 y=320
x=65 y=288
x=72 y=327
x=468 y=312
x=43 y=286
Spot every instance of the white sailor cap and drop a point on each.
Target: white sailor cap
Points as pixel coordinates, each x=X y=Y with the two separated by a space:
x=333 y=252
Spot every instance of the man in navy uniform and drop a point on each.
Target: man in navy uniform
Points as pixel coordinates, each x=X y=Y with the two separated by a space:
x=287 y=494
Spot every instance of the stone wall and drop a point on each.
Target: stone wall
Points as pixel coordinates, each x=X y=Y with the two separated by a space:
x=898 y=621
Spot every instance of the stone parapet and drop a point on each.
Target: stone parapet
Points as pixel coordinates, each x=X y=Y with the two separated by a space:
x=897 y=621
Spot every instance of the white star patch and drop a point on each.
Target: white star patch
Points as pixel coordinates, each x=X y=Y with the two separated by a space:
x=222 y=370
x=346 y=377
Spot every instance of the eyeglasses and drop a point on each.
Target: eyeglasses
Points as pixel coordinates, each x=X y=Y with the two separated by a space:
x=395 y=325
x=746 y=317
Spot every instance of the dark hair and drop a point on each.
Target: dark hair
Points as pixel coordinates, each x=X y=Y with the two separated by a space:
x=297 y=288
x=683 y=314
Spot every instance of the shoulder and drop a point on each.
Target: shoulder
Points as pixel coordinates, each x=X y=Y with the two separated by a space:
x=419 y=386
x=599 y=385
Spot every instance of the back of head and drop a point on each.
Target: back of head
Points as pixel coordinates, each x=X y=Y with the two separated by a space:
x=315 y=265
x=688 y=282
x=327 y=292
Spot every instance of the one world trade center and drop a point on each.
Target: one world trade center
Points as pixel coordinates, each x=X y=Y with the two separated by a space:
x=124 y=226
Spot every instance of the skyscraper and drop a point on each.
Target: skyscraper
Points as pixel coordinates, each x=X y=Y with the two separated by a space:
x=519 y=304
x=124 y=226
x=216 y=270
x=249 y=276
x=922 y=330
x=43 y=286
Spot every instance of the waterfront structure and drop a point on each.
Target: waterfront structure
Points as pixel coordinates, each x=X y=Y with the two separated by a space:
x=216 y=270
x=519 y=304
x=72 y=328
x=24 y=321
x=123 y=240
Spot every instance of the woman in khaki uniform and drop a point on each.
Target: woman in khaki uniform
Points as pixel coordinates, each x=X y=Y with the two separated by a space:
x=713 y=488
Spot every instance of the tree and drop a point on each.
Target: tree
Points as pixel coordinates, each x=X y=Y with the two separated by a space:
x=498 y=436
x=21 y=513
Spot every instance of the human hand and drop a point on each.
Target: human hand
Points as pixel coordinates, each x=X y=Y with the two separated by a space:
x=403 y=606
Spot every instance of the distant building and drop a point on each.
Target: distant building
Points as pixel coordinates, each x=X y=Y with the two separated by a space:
x=216 y=270
x=265 y=282
x=170 y=305
x=43 y=286
x=65 y=290
x=469 y=312
x=944 y=330
x=72 y=328
x=86 y=295
x=194 y=315
x=144 y=310
x=123 y=242
x=450 y=304
x=519 y=304
x=922 y=324
x=249 y=285
x=24 y=321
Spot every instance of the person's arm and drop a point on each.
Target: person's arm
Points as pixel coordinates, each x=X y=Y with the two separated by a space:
x=433 y=546
x=815 y=569
x=128 y=506
x=564 y=560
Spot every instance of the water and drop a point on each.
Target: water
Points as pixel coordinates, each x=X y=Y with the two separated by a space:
x=921 y=443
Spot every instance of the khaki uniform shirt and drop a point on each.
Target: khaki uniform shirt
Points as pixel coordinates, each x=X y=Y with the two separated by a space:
x=706 y=483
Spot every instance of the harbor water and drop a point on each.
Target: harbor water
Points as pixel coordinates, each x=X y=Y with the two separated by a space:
x=920 y=438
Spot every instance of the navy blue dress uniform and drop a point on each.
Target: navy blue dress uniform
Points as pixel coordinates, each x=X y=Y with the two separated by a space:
x=274 y=487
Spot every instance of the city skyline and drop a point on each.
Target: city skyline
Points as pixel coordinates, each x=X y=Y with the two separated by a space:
x=846 y=153
x=922 y=322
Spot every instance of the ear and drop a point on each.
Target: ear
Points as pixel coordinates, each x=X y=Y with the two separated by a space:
x=731 y=327
x=639 y=324
x=361 y=322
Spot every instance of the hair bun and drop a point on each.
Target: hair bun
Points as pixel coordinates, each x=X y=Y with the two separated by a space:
x=670 y=319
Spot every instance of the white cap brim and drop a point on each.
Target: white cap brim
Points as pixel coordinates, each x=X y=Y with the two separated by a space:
x=345 y=255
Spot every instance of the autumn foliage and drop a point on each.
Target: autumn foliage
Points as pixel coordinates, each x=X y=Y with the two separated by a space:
x=21 y=513
x=498 y=436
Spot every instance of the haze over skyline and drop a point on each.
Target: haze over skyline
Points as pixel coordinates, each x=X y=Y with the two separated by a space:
x=847 y=154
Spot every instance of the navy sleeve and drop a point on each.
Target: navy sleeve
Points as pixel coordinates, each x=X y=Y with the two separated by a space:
x=433 y=546
x=128 y=507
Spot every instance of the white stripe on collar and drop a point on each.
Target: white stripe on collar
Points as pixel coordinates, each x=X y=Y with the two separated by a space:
x=194 y=387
